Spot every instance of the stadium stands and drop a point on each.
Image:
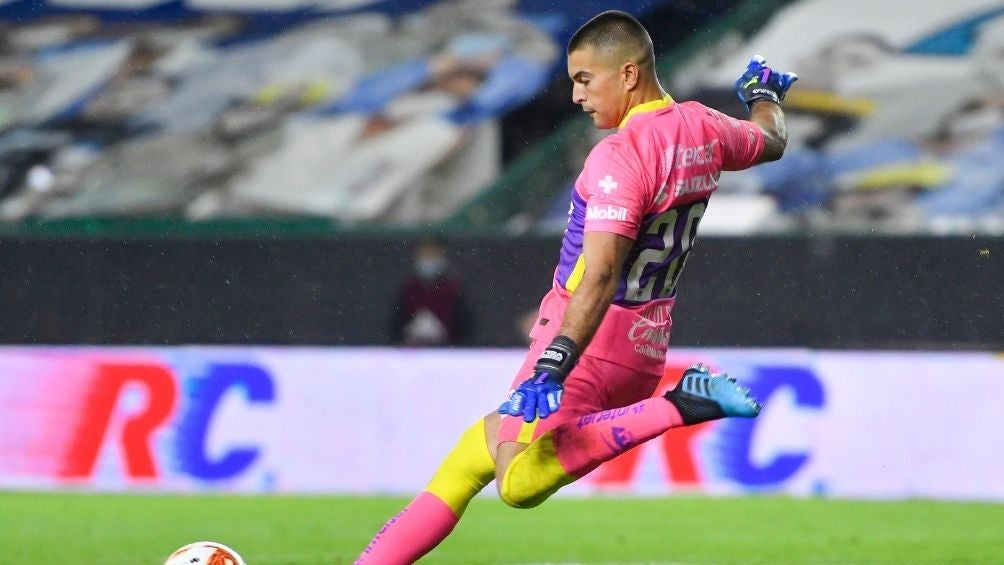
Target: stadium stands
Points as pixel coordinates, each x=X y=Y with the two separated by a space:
x=893 y=120
x=390 y=114
x=358 y=113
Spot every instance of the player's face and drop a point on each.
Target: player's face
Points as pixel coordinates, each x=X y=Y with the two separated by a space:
x=597 y=86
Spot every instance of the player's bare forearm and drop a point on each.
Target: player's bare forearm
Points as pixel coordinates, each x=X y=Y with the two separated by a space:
x=769 y=117
x=587 y=307
x=604 y=255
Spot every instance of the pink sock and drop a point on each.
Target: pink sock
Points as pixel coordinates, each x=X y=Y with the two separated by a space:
x=417 y=529
x=583 y=444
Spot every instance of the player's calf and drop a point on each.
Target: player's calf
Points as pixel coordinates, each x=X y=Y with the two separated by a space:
x=701 y=396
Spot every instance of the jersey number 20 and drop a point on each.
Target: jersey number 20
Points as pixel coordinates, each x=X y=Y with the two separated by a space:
x=655 y=272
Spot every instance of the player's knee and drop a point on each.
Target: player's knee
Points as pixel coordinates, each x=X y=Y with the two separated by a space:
x=519 y=498
x=519 y=487
x=528 y=476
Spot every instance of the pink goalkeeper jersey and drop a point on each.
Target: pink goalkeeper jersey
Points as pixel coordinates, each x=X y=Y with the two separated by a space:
x=651 y=182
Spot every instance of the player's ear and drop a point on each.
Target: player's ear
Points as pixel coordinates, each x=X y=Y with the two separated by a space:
x=629 y=76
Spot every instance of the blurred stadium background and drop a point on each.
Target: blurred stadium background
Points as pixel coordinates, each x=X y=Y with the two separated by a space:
x=208 y=209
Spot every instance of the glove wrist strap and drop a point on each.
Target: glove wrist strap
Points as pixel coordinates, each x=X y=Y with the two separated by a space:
x=559 y=358
x=761 y=93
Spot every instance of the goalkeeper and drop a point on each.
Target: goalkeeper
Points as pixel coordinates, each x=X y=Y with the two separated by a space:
x=584 y=393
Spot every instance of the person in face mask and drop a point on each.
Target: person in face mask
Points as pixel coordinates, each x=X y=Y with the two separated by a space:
x=431 y=309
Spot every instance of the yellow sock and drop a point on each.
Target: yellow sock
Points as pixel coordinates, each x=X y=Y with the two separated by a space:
x=465 y=470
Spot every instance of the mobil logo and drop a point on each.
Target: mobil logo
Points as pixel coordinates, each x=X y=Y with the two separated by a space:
x=608 y=212
x=156 y=420
x=735 y=452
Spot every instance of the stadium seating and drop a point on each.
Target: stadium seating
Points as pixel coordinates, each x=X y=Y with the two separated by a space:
x=215 y=109
x=872 y=147
x=358 y=113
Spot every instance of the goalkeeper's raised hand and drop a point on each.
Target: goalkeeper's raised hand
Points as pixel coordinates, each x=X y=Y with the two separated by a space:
x=541 y=393
x=761 y=82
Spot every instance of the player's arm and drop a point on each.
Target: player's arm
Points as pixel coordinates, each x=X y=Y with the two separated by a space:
x=769 y=117
x=604 y=254
x=762 y=89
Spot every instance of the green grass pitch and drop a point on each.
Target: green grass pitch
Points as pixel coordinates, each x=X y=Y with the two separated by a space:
x=140 y=529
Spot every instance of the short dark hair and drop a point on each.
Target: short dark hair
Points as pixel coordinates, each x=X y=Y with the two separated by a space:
x=616 y=32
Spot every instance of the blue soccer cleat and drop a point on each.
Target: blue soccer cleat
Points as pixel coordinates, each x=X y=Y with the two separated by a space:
x=702 y=395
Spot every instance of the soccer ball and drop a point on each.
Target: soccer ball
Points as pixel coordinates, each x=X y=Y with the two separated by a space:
x=205 y=553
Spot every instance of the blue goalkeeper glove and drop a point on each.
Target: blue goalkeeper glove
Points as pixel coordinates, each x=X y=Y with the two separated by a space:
x=541 y=393
x=761 y=82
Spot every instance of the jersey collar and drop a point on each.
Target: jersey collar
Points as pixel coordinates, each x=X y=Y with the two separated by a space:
x=664 y=102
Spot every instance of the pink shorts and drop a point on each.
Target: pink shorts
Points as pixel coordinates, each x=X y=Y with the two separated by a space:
x=594 y=385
